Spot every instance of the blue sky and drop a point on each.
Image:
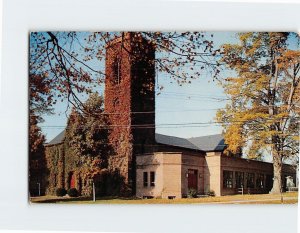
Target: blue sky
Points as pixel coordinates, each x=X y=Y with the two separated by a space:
x=190 y=103
x=196 y=102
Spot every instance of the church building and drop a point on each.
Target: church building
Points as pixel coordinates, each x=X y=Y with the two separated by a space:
x=155 y=165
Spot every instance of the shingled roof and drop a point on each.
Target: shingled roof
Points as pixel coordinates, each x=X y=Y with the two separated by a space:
x=209 y=143
x=204 y=143
x=58 y=139
x=174 y=141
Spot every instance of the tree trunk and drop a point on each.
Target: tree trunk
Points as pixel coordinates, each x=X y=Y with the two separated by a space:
x=277 y=166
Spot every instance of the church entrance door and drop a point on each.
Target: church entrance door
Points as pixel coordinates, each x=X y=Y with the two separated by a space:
x=193 y=179
x=72 y=180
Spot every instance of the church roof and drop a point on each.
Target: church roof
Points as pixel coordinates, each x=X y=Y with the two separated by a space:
x=209 y=143
x=204 y=143
x=58 y=139
x=174 y=141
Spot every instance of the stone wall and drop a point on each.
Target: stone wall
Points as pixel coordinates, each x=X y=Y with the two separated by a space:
x=212 y=173
x=252 y=166
x=149 y=163
x=171 y=170
x=192 y=161
x=167 y=168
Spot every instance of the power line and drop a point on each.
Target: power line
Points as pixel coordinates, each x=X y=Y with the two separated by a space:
x=168 y=125
x=152 y=112
x=167 y=111
x=191 y=94
x=159 y=144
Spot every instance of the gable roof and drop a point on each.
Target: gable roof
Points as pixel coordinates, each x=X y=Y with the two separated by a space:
x=58 y=139
x=204 y=143
x=209 y=143
x=174 y=141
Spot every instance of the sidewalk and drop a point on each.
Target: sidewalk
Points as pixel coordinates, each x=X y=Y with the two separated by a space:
x=289 y=200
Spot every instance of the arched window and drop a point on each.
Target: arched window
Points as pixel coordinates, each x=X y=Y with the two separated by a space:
x=116 y=70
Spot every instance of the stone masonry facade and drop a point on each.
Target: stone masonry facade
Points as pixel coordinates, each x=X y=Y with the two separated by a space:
x=172 y=171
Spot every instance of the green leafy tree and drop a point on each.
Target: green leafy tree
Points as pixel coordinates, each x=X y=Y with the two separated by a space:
x=88 y=131
x=86 y=138
x=263 y=110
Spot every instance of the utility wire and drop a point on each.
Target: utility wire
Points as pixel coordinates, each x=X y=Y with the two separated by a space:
x=169 y=125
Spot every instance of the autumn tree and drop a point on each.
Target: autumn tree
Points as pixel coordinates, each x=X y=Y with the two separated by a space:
x=86 y=139
x=262 y=115
x=39 y=103
x=72 y=63
x=36 y=157
x=40 y=99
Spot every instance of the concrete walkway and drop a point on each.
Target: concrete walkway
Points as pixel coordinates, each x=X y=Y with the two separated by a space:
x=251 y=201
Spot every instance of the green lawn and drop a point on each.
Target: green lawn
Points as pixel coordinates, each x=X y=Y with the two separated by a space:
x=288 y=198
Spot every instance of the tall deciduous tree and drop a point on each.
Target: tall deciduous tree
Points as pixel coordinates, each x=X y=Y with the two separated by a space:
x=263 y=111
x=36 y=156
x=40 y=102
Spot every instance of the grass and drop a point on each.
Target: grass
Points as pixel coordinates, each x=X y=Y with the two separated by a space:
x=288 y=198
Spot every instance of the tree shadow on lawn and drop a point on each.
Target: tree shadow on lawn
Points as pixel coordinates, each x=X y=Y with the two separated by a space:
x=74 y=199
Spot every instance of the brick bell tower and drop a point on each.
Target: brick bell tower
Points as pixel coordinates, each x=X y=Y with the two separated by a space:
x=130 y=101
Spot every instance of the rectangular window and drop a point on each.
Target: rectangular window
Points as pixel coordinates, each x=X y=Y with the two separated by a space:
x=260 y=181
x=250 y=180
x=227 y=179
x=152 y=179
x=145 y=179
x=239 y=179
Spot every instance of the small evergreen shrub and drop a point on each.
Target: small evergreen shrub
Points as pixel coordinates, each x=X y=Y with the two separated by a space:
x=211 y=193
x=72 y=192
x=192 y=193
x=60 y=192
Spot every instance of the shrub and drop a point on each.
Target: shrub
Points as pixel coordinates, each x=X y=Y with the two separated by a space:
x=192 y=193
x=60 y=192
x=211 y=193
x=72 y=192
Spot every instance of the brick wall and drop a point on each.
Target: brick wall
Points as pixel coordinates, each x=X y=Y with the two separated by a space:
x=167 y=168
x=251 y=166
x=148 y=163
x=192 y=161
x=212 y=173
x=171 y=170
x=129 y=93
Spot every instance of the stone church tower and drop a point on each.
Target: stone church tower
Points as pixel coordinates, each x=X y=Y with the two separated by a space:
x=130 y=101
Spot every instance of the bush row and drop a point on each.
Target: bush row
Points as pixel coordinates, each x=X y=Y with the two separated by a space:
x=72 y=192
